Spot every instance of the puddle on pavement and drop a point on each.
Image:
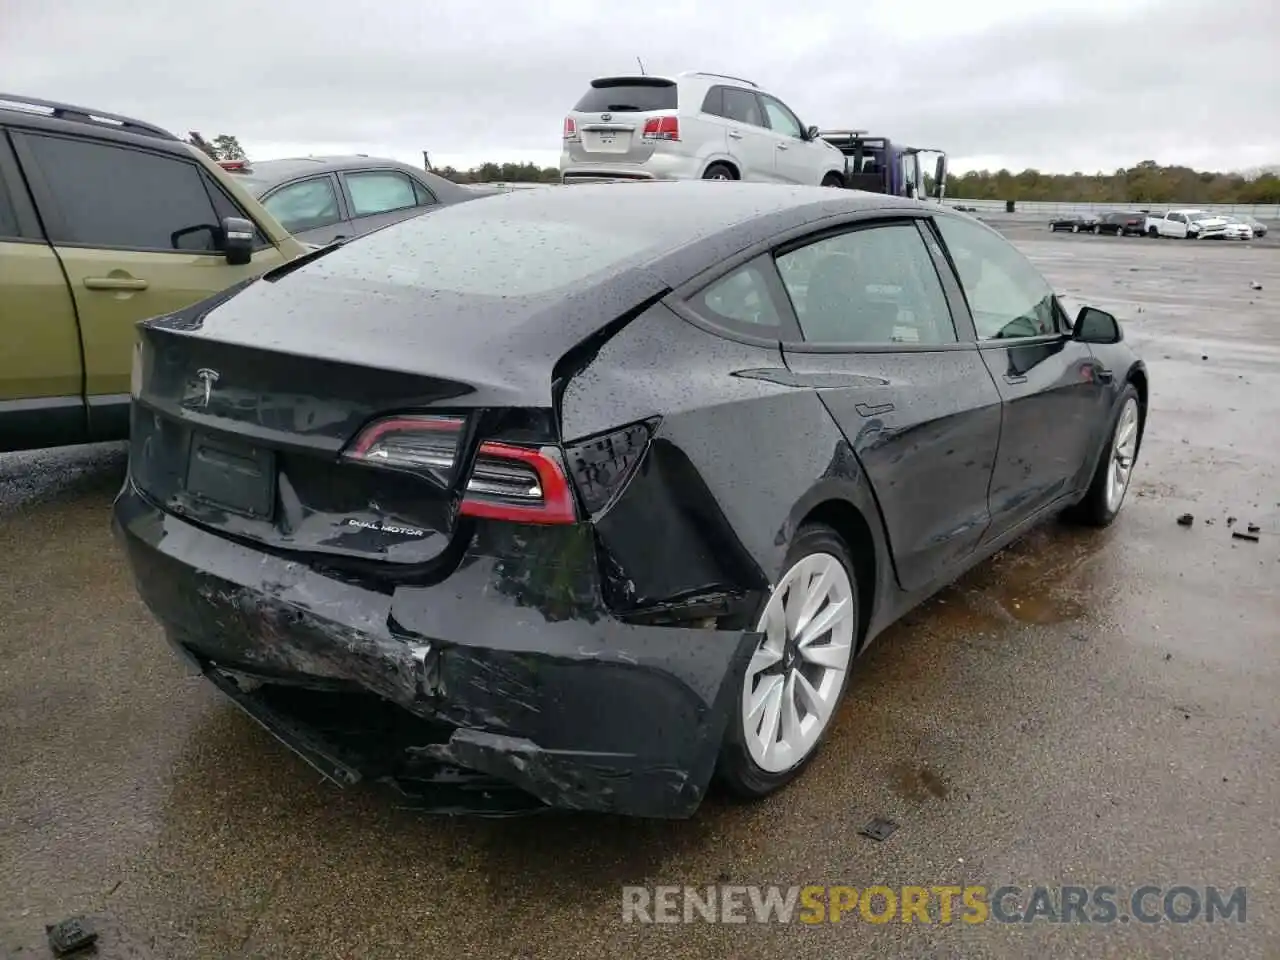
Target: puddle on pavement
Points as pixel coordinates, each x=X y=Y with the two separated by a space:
x=917 y=784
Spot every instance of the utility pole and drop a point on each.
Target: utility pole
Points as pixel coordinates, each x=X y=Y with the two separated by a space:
x=641 y=63
x=426 y=162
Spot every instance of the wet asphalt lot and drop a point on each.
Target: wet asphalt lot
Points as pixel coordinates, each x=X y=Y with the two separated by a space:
x=1086 y=708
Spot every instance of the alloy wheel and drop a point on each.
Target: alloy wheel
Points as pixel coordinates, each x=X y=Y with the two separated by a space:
x=796 y=675
x=1124 y=448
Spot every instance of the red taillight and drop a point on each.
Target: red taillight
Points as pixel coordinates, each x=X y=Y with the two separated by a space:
x=570 y=129
x=662 y=128
x=238 y=166
x=507 y=482
x=522 y=484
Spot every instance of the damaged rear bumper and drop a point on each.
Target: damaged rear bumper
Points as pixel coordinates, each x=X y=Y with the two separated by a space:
x=468 y=689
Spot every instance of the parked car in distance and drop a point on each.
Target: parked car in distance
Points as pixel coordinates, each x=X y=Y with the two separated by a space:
x=1122 y=223
x=322 y=199
x=1233 y=228
x=1186 y=224
x=104 y=221
x=627 y=525
x=1076 y=223
x=1257 y=226
x=689 y=127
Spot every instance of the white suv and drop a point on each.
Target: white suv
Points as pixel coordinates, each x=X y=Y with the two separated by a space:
x=693 y=126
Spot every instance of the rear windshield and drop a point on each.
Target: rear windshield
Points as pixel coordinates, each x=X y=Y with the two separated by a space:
x=458 y=250
x=627 y=96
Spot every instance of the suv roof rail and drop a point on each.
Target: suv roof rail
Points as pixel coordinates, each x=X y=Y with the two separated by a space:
x=68 y=111
x=725 y=76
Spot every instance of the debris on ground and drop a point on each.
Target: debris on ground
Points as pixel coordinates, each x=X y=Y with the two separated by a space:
x=879 y=829
x=1255 y=285
x=1254 y=528
x=1240 y=535
x=1204 y=356
x=70 y=935
x=1231 y=521
x=1186 y=520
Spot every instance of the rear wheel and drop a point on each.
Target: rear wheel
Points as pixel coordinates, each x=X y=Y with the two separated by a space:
x=833 y=180
x=798 y=672
x=1075 y=228
x=719 y=171
x=1153 y=233
x=1102 y=503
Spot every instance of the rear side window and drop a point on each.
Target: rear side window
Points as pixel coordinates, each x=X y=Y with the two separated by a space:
x=379 y=191
x=117 y=197
x=8 y=216
x=874 y=285
x=306 y=205
x=627 y=96
x=742 y=105
x=741 y=300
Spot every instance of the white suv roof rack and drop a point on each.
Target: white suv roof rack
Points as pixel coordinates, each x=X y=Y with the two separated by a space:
x=722 y=76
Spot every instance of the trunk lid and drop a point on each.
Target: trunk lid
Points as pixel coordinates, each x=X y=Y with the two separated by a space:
x=243 y=411
x=607 y=123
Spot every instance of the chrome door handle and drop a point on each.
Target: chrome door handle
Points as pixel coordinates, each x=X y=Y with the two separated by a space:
x=115 y=283
x=782 y=146
x=735 y=134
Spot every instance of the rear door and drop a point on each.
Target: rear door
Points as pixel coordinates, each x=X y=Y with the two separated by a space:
x=41 y=401
x=751 y=143
x=136 y=233
x=377 y=198
x=608 y=120
x=310 y=209
x=908 y=389
x=1054 y=399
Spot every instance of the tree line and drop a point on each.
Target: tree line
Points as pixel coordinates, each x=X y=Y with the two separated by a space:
x=1147 y=183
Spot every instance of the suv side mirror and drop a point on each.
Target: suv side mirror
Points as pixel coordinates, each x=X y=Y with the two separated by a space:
x=940 y=177
x=237 y=240
x=1096 y=326
x=811 y=133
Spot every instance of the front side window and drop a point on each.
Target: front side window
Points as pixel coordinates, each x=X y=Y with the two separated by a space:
x=873 y=285
x=306 y=205
x=1007 y=295
x=781 y=120
x=379 y=191
x=120 y=197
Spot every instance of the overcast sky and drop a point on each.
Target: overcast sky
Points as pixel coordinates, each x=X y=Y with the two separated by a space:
x=1059 y=85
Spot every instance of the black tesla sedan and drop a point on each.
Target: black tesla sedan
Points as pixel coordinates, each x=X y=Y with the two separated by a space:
x=595 y=494
x=1075 y=223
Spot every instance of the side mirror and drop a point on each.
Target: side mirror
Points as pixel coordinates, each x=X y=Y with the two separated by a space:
x=1096 y=326
x=940 y=177
x=237 y=240
x=811 y=133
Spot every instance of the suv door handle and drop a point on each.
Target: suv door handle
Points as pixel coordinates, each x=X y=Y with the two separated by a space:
x=781 y=146
x=115 y=283
x=735 y=134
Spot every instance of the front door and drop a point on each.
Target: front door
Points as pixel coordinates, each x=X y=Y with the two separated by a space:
x=138 y=235
x=912 y=396
x=794 y=157
x=1052 y=397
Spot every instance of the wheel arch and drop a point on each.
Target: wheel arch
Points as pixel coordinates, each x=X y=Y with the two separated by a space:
x=849 y=523
x=724 y=162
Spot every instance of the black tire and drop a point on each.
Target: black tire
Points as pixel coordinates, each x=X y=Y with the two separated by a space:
x=833 y=180
x=1153 y=233
x=1094 y=510
x=719 y=171
x=735 y=769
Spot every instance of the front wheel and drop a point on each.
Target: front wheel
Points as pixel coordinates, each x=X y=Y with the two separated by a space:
x=1102 y=503
x=833 y=180
x=797 y=674
x=1075 y=228
x=1153 y=233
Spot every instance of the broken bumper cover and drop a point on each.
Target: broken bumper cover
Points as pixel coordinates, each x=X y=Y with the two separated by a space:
x=581 y=713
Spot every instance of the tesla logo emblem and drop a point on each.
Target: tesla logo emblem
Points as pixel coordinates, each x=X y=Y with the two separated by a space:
x=606 y=117
x=207 y=379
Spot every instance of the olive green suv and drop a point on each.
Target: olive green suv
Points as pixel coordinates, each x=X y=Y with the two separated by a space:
x=104 y=221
